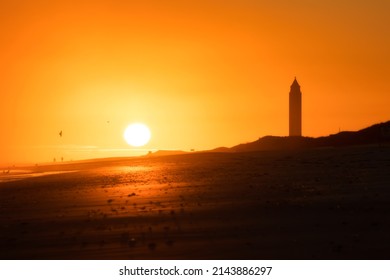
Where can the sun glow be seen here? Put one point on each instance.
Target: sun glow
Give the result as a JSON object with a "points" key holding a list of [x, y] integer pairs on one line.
{"points": [[137, 135]]}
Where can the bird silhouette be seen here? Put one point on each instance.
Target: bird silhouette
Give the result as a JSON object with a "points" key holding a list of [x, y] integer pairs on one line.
{"points": [[60, 133]]}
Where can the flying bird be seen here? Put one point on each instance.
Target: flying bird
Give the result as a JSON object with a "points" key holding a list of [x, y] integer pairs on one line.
{"points": [[60, 133]]}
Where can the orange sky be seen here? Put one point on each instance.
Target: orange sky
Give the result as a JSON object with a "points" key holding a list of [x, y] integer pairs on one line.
{"points": [[201, 74]]}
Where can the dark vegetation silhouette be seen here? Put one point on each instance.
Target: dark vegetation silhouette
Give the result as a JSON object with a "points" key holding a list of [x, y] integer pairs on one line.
{"points": [[376, 134]]}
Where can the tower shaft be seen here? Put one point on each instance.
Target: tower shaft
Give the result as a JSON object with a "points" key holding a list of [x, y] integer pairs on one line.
{"points": [[295, 110]]}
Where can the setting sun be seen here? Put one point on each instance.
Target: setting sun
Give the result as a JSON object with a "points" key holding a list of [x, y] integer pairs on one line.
{"points": [[137, 134]]}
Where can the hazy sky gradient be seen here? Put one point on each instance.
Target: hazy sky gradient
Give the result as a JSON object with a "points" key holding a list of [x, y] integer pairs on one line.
{"points": [[200, 74]]}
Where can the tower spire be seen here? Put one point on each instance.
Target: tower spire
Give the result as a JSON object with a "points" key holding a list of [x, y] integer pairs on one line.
{"points": [[295, 82]]}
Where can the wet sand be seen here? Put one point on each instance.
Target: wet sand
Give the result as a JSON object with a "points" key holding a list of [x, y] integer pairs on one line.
{"points": [[315, 204]]}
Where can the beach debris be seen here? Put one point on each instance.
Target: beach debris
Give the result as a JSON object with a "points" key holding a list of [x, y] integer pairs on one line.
{"points": [[152, 246], [132, 242], [125, 236]]}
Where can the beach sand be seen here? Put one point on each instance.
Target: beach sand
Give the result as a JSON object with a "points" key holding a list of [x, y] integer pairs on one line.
{"points": [[331, 203]]}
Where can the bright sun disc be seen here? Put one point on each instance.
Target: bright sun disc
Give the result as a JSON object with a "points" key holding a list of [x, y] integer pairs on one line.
{"points": [[137, 134]]}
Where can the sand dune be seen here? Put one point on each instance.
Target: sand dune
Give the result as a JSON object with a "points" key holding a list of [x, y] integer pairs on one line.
{"points": [[313, 204]]}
